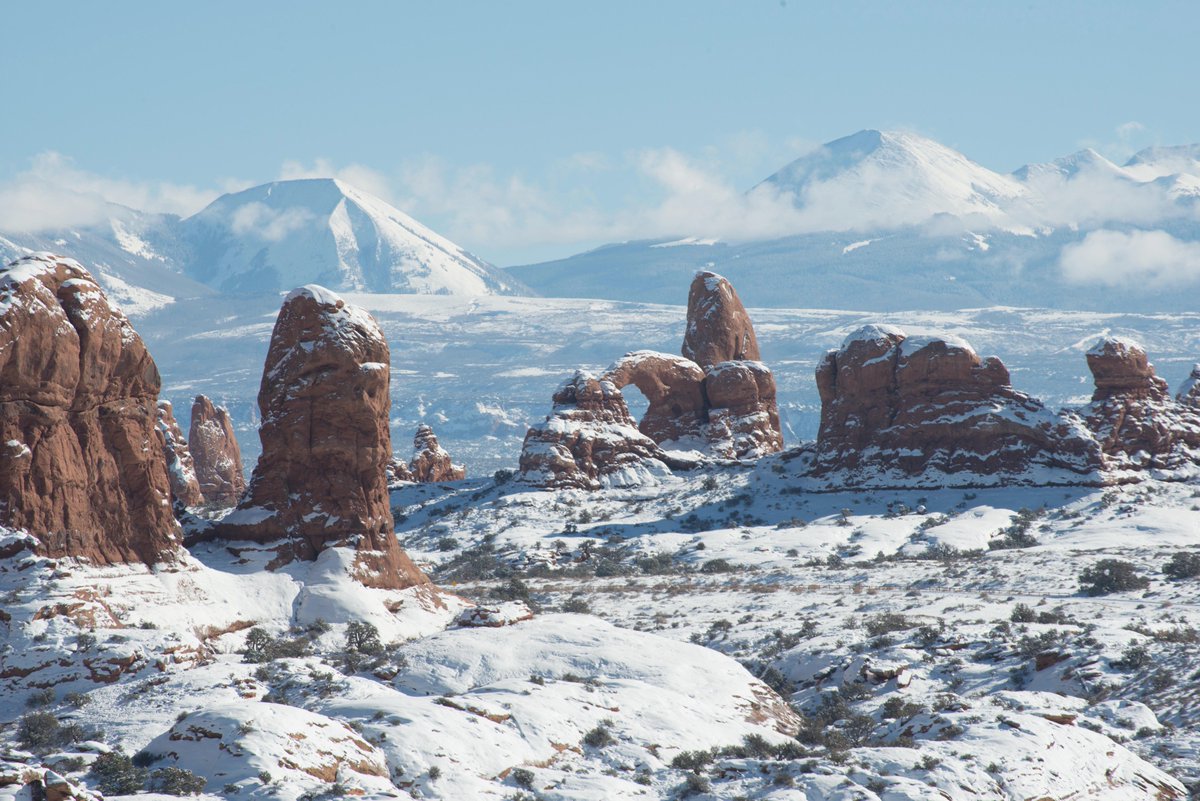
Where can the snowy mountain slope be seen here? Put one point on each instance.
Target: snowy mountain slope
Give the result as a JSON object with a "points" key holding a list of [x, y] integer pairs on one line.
{"points": [[897, 221], [885, 179], [137, 257], [288, 233]]}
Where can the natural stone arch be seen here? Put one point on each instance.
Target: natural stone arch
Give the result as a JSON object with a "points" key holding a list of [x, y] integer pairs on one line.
{"points": [[674, 388]]}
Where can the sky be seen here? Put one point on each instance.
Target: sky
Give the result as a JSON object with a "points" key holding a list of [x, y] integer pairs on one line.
{"points": [[531, 130]]}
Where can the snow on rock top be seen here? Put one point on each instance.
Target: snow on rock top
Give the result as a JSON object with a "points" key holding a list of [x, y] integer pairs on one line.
{"points": [[1115, 345], [289, 233], [318, 293], [874, 333]]}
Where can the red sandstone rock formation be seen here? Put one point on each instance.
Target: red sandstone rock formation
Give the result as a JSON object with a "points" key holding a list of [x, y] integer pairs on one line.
{"points": [[743, 419], [739, 390], [320, 481], [718, 327], [181, 470], [677, 411], [589, 441], [81, 461], [1189, 393], [1139, 425], [216, 454], [898, 410], [431, 463]]}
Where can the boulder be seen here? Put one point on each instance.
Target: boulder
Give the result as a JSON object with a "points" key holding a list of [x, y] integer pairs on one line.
{"points": [[674, 387], [921, 411], [216, 454], [81, 457], [1132, 414], [718, 327], [590, 441], [181, 469], [321, 479], [431, 463]]}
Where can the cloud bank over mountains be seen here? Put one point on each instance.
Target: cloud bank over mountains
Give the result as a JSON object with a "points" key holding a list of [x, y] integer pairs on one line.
{"points": [[869, 182]]}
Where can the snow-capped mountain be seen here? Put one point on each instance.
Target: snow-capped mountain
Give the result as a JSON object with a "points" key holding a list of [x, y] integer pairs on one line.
{"points": [[890, 178], [268, 238], [1067, 167], [894, 221], [288, 233], [136, 256]]}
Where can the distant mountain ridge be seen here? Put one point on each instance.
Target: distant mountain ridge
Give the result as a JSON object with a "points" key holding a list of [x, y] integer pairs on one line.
{"points": [[268, 238], [895, 221]]}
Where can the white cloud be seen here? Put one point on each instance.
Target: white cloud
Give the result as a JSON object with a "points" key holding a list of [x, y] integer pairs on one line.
{"points": [[1135, 258], [267, 223], [54, 193]]}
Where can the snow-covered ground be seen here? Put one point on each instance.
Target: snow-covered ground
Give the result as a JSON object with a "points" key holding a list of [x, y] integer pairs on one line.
{"points": [[920, 645]]}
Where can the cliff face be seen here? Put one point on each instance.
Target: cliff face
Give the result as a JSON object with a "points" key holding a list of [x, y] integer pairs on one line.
{"points": [[81, 459], [216, 454]]}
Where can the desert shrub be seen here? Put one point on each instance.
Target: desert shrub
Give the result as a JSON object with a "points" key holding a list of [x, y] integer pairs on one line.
{"points": [[447, 544], [40, 699], [1023, 613], [503, 476], [523, 777], [363, 638], [694, 784], [898, 708], [115, 774], [1183, 565], [886, 623], [709, 483], [599, 737], [694, 761], [435, 773], [1134, 657], [262, 647], [77, 699], [717, 566], [41, 731], [176, 781], [1111, 575], [513, 590], [577, 605]]}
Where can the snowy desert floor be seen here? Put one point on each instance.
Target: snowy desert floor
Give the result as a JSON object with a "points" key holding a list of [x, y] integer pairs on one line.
{"points": [[720, 635]]}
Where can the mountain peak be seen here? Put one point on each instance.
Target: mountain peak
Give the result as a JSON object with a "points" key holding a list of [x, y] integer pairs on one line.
{"points": [[287, 233], [889, 178]]}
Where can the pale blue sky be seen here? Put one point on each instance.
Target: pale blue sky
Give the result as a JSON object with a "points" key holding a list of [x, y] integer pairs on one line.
{"points": [[487, 119]]}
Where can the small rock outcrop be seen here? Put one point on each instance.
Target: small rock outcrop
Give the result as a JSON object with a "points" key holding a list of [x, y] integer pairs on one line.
{"points": [[919, 411], [718, 327], [216, 454], [81, 458], [321, 479], [1132, 414], [431, 463], [1189, 393], [181, 470], [590, 441]]}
